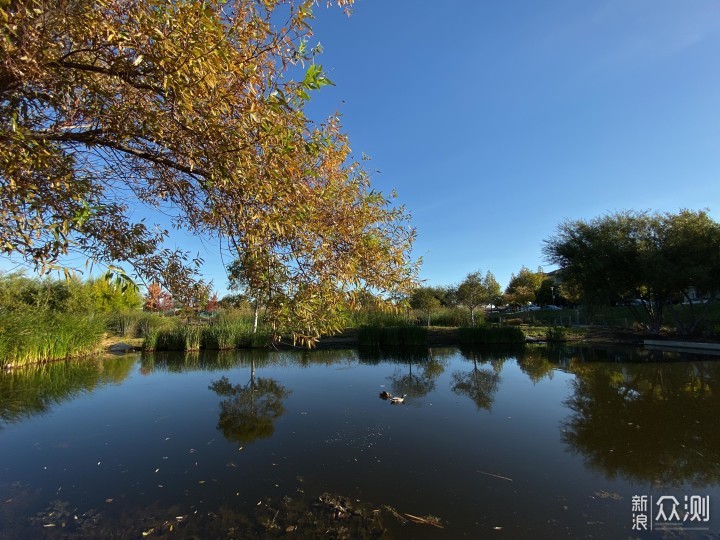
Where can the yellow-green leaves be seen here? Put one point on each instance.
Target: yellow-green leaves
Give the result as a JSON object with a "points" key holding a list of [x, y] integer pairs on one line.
{"points": [[181, 106]]}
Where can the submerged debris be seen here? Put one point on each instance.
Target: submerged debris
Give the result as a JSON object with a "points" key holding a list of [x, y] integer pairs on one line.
{"points": [[325, 516]]}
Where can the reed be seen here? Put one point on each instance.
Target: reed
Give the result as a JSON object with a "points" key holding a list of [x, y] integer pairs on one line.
{"points": [[227, 332], [28, 337], [487, 334], [382, 337]]}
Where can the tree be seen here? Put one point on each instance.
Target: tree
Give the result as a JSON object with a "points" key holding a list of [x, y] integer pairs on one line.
{"points": [[524, 287], [213, 304], [477, 290], [190, 109], [157, 299], [660, 259], [425, 300]]}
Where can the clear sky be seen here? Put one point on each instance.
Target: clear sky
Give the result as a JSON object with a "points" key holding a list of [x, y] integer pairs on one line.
{"points": [[495, 121]]}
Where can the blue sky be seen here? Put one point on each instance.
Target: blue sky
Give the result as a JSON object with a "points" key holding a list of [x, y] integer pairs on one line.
{"points": [[495, 121]]}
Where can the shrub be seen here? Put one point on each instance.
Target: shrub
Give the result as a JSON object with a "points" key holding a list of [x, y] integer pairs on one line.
{"points": [[381, 337], [487, 334], [556, 333]]}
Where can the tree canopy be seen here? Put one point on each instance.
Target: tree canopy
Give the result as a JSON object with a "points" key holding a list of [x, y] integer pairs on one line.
{"points": [[191, 110], [524, 287], [477, 290], [657, 258]]}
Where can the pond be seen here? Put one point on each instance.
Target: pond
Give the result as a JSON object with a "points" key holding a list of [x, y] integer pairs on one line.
{"points": [[526, 443]]}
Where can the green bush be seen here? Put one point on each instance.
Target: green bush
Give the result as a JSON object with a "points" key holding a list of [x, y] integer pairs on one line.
{"points": [[556, 333], [392, 336], [487, 334]]}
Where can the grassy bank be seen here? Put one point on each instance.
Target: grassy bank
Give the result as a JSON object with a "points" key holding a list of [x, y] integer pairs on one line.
{"points": [[227, 331], [28, 337]]}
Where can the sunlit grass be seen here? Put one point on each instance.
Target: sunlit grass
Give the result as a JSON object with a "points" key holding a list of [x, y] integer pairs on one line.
{"points": [[231, 330], [28, 337]]}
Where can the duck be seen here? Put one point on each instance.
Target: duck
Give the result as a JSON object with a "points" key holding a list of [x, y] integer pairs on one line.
{"points": [[397, 400], [385, 395]]}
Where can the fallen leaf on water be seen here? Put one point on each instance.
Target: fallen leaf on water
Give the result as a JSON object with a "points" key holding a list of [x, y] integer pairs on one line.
{"points": [[49, 525], [157, 470], [148, 532], [108, 500], [201, 481]]}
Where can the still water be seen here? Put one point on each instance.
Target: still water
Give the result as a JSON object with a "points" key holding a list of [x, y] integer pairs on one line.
{"points": [[524, 443]]}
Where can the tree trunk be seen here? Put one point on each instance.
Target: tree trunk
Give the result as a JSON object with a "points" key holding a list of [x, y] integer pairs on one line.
{"points": [[472, 317], [255, 318]]}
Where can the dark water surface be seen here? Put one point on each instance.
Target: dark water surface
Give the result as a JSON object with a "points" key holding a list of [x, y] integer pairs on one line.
{"points": [[528, 443]]}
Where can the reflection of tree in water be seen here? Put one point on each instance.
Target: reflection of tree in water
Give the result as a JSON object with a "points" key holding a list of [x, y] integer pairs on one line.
{"points": [[648, 423], [421, 381], [533, 362], [249, 411], [37, 389], [480, 384]]}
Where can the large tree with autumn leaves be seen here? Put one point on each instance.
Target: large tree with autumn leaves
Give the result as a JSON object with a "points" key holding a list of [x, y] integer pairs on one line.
{"points": [[193, 109]]}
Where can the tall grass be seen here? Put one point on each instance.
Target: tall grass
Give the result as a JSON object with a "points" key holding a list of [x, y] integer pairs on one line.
{"points": [[229, 331], [454, 317], [555, 334], [28, 337], [376, 318], [392, 336], [487, 334]]}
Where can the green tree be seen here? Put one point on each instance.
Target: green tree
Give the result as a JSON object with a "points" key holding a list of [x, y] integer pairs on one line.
{"points": [[191, 109], [524, 287], [426, 301], [477, 290], [660, 258]]}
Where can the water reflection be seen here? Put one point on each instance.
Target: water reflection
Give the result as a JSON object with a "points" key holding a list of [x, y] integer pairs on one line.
{"points": [[250, 410], [174, 362], [535, 362], [422, 381], [481, 383], [647, 422], [37, 389]]}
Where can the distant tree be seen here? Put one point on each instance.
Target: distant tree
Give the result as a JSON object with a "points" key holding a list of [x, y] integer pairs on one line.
{"points": [[524, 287], [659, 258], [213, 304], [260, 281], [477, 290], [157, 299], [425, 300]]}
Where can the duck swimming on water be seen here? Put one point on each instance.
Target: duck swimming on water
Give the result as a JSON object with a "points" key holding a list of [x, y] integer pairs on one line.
{"points": [[385, 394], [397, 400]]}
